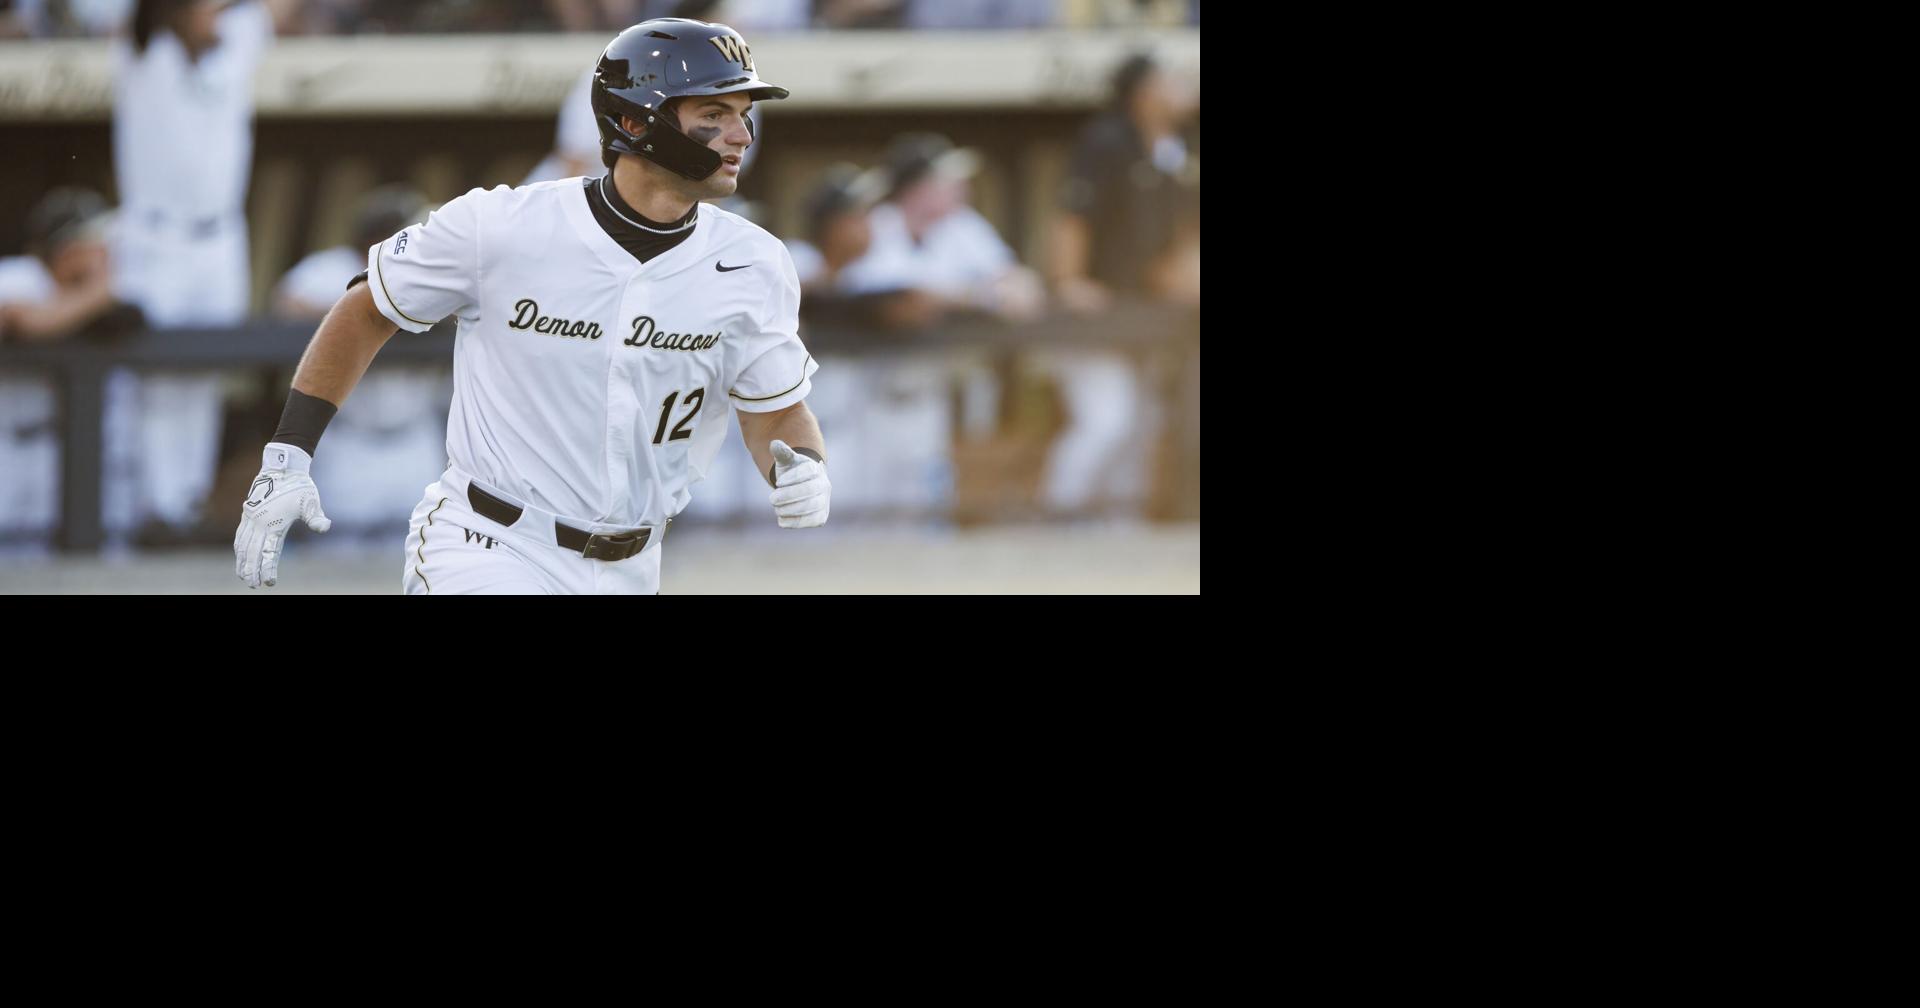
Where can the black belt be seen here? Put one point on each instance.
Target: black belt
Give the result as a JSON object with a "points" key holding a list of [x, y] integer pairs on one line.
{"points": [[617, 546]]}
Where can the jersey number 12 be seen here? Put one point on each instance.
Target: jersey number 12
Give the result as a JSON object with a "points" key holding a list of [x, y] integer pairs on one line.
{"points": [[680, 431]]}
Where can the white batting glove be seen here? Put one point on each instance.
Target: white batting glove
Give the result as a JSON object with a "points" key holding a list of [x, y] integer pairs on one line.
{"points": [[800, 488], [282, 492]]}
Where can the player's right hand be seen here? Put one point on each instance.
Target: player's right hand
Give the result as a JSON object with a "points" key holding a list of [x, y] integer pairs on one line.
{"points": [[281, 493], [801, 491]]}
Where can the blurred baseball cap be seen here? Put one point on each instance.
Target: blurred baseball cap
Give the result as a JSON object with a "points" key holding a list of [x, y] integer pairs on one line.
{"points": [[65, 214], [915, 156], [843, 188]]}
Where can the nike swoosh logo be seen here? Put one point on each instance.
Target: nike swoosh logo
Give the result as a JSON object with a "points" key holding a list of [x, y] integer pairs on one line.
{"points": [[729, 269]]}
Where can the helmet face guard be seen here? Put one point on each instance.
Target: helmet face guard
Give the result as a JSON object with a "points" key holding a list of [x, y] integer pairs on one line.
{"points": [[666, 58]]}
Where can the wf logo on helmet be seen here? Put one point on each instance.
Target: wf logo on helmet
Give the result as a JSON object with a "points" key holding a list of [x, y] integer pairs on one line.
{"points": [[734, 48]]}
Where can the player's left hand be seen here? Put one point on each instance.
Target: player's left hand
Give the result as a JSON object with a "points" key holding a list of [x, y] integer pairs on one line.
{"points": [[800, 488]]}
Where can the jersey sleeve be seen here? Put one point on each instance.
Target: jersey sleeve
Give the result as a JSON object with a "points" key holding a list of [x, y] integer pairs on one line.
{"points": [[429, 271], [777, 371]]}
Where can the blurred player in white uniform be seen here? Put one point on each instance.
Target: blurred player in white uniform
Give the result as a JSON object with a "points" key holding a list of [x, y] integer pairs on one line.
{"points": [[63, 287], [941, 259], [576, 140], [182, 155], [837, 235], [606, 327]]}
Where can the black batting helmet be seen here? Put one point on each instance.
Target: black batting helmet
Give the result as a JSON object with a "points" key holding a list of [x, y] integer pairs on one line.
{"points": [[665, 58]]}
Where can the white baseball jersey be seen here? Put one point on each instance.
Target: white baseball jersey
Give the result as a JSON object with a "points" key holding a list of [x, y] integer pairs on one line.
{"points": [[587, 383], [958, 254]]}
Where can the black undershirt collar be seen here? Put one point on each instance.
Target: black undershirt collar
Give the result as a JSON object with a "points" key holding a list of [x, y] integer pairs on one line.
{"points": [[642, 238]]}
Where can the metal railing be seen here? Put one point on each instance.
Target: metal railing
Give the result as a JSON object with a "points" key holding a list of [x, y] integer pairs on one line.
{"points": [[79, 371]]}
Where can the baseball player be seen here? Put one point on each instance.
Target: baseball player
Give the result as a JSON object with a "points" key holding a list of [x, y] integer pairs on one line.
{"points": [[63, 288], [606, 325], [182, 152]]}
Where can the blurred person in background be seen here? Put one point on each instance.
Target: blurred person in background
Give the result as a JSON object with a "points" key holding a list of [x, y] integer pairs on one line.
{"points": [[1128, 204], [928, 238], [932, 258], [66, 282], [576, 140], [1129, 228], [62, 289], [311, 287], [182, 155], [394, 427], [837, 235]]}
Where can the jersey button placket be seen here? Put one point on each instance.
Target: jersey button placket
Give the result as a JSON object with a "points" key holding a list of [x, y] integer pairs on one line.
{"points": [[623, 401]]}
